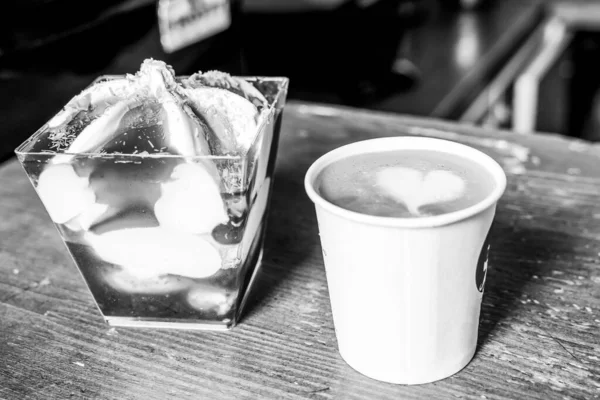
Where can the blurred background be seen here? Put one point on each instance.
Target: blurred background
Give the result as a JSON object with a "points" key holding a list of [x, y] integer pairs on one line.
{"points": [[524, 65]]}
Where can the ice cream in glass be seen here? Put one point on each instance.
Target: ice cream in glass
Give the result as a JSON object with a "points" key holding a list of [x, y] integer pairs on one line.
{"points": [[159, 186]]}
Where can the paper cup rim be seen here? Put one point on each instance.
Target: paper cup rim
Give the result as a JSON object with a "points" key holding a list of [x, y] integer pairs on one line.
{"points": [[407, 143]]}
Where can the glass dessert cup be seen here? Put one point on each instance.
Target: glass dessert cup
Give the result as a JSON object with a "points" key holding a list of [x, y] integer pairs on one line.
{"points": [[141, 271]]}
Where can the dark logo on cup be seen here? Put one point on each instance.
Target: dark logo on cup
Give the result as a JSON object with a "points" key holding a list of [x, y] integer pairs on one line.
{"points": [[482, 264]]}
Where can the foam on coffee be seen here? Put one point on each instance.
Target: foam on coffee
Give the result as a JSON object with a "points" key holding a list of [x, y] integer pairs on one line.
{"points": [[404, 183]]}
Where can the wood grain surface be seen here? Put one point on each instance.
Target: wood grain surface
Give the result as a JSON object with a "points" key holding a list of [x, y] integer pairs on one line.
{"points": [[540, 321]]}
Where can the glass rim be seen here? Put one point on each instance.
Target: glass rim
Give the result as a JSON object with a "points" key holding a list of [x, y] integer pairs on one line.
{"points": [[382, 144]]}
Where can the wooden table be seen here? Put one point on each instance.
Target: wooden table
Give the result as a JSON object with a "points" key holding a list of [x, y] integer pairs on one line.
{"points": [[540, 321]]}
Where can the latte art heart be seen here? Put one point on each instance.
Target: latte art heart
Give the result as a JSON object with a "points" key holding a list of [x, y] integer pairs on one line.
{"points": [[405, 183], [416, 189]]}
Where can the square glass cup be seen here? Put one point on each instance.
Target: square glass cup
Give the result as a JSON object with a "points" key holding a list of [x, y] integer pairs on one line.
{"points": [[154, 277]]}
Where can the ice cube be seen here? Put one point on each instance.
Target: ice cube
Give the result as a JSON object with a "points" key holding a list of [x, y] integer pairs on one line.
{"points": [[190, 201], [230, 116], [152, 252], [64, 193]]}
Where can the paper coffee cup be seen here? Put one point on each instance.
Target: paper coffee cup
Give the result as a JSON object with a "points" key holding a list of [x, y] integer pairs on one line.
{"points": [[406, 292]]}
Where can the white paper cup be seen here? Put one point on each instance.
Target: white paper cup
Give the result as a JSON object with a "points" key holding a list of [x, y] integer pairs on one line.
{"points": [[406, 292]]}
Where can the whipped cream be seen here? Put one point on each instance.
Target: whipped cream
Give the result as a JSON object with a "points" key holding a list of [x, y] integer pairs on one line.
{"points": [[64, 193], [155, 251], [206, 114], [190, 201]]}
